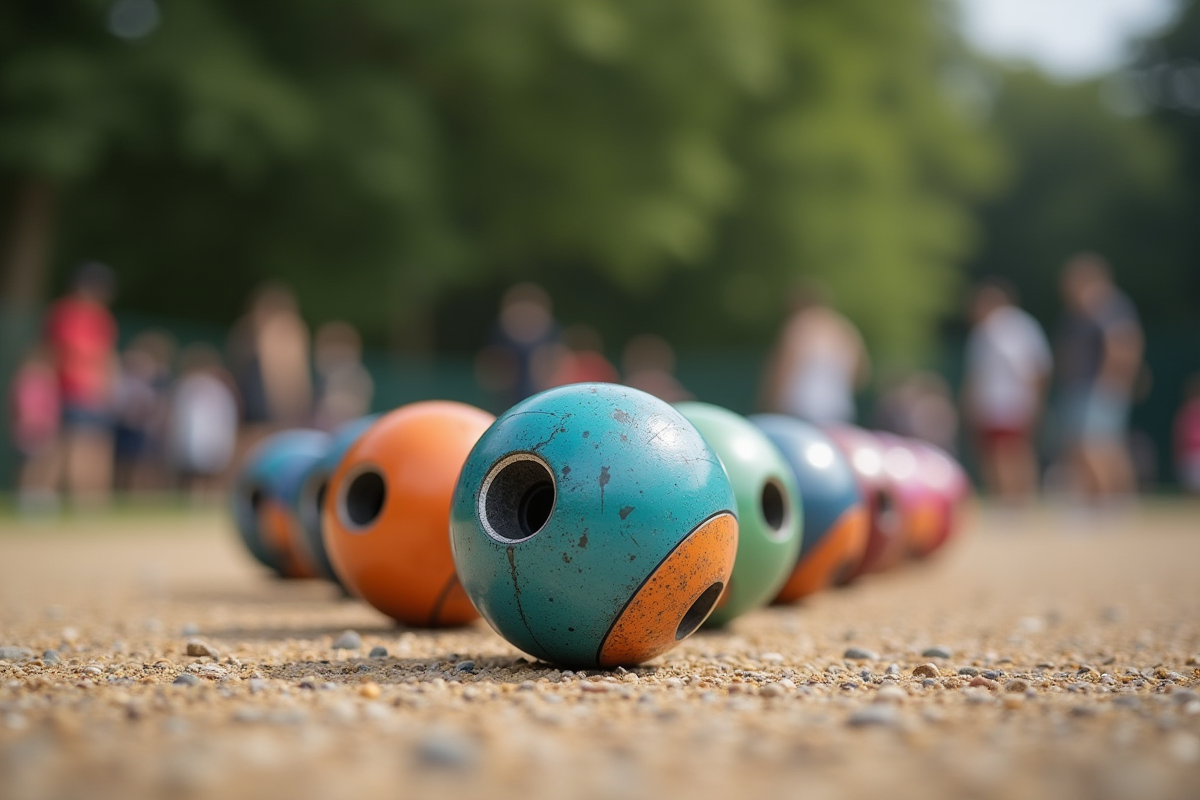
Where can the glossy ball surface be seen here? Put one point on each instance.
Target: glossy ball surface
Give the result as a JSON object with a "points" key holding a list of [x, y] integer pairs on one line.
{"points": [[769, 508], [835, 513], [593, 525], [314, 483], [263, 494], [886, 544], [386, 519]]}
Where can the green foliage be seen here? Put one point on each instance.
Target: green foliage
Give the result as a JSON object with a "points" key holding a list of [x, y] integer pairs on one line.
{"points": [[689, 158], [1083, 178]]}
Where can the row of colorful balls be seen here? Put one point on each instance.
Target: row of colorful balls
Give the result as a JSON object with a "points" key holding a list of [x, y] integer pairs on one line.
{"points": [[591, 524]]}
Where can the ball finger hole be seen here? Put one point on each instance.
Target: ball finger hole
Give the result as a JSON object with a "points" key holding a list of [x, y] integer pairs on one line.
{"points": [[363, 499], [517, 498], [774, 506], [699, 611]]}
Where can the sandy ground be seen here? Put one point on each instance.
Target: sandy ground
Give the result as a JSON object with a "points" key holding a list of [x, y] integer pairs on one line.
{"points": [[1081, 635]]}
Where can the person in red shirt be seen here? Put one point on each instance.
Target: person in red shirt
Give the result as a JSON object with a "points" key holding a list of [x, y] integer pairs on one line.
{"points": [[35, 416], [82, 335], [1187, 438]]}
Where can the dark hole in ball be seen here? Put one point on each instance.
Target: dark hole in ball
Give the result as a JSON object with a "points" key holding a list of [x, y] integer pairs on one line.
{"points": [[256, 498], [519, 499], [364, 498], [774, 506], [319, 498], [699, 611], [535, 508]]}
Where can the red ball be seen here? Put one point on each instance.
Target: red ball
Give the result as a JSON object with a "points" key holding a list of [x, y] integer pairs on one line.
{"points": [[885, 538]]}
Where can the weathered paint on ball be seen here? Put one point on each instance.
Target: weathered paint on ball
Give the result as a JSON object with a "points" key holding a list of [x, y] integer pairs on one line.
{"points": [[593, 525], [835, 515], [269, 477], [769, 507], [310, 498], [386, 521]]}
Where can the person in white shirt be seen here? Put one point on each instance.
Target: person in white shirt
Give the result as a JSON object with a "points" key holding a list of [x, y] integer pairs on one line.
{"points": [[818, 363], [1008, 366]]}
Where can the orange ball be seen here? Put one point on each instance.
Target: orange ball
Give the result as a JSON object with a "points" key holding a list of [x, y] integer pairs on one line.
{"points": [[387, 523]]}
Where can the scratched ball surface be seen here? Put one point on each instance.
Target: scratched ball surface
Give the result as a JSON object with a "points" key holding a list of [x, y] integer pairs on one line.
{"points": [[313, 485], [593, 526], [386, 518], [266, 484], [835, 514], [769, 508]]}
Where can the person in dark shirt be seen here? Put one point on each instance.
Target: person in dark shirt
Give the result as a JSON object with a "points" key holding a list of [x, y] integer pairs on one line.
{"points": [[1099, 359]]}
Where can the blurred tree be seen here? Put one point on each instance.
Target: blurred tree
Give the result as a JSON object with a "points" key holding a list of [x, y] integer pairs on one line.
{"points": [[1083, 178], [687, 157]]}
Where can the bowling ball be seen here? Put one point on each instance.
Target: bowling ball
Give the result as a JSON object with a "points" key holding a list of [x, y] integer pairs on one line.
{"points": [[921, 510], [266, 483], [310, 499], [885, 539], [593, 526], [946, 479], [768, 508], [835, 512], [386, 515]]}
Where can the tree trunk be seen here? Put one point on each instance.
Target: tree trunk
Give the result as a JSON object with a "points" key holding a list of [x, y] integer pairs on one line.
{"points": [[26, 257]]}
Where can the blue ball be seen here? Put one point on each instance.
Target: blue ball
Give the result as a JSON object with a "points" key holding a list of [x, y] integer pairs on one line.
{"points": [[310, 496], [593, 525], [269, 479]]}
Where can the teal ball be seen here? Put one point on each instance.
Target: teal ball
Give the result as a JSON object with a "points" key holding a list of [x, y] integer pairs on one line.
{"points": [[592, 525]]}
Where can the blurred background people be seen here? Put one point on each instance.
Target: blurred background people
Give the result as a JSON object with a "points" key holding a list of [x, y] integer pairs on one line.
{"points": [[140, 411], [344, 387], [1007, 371], [521, 356], [581, 359], [818, 363], [648, 362], [269, 355], [1187, 438], [1099, 360], [82, 335], [202, 422], [920, 405], [34, 424]]}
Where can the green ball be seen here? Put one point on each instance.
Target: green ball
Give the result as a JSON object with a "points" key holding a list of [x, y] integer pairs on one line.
{"points": [[768, 504]]}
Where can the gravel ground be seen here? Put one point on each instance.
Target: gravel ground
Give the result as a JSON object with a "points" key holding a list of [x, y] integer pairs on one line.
{"points": [[1045, 655]]}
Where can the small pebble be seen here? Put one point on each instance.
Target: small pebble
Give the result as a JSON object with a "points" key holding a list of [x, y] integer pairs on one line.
{"points": [[186, 679], [370, 690], [378, 651], [891, 694], [51, 657], [10, 653], [778, 688], [464, 666], [968, 671], [200, 649], [979, 680], [992, 674], [1016, 685], [926, 671], [893, 669], [348, 640], [929, 683], [257, 685], [860, 654], [446, 750], [935, 652], [771, 658], [189, 629], [873, 715]]}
